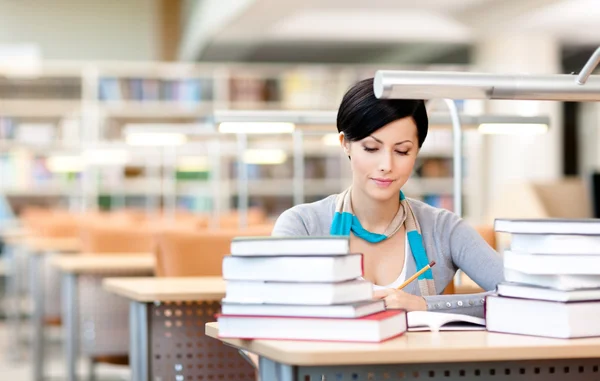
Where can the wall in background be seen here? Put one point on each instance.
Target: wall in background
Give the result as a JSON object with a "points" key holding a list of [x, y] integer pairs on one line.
{"points": [[84, 29]]}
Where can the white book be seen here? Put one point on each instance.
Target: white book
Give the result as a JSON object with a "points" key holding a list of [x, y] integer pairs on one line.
{"points": [[298, 292], [523, 291], [294, 269], [555, 281], [373, 328], [552, 264], [555, 244], [441, 321], [589, 226], [353, 310], [273, 245], [542, 318]]}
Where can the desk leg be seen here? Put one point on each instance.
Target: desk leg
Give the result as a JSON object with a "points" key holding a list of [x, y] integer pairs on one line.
{"points": [[69, 313], [138, 341], [13, 303], [37, 281], [271, 370]]}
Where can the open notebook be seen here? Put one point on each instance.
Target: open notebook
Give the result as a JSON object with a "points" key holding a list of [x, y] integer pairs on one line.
{"points": [[439, 321]]}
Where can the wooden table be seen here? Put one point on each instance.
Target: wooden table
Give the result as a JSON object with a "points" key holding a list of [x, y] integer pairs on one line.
{"points": [[167, 319], [35, 249], [14, 235], [12, 238], [97, 265], [50, 244], [468, 355]]}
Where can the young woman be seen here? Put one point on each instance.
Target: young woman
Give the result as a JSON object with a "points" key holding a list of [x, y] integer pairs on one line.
{"points": [[397, 236]]}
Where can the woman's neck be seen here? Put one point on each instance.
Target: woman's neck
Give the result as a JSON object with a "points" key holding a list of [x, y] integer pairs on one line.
{"points": [[375, 216]]}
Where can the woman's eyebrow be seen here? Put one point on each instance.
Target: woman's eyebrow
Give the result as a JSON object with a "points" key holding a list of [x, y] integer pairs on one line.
{"points": [[380, 142]]}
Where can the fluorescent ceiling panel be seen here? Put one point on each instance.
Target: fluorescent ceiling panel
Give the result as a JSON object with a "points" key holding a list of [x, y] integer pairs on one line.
{"points": [[354, 25], [575, 21]]}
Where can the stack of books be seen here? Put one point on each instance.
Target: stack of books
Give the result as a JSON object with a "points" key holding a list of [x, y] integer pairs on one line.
{"points": [[552, 279], [302, 288]]}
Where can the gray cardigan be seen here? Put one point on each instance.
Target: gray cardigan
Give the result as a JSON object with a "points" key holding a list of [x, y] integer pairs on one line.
{"points": [[448, 240]]}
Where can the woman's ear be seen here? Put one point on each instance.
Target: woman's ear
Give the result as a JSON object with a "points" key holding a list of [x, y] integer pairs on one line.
{"points": [[345, 144]]}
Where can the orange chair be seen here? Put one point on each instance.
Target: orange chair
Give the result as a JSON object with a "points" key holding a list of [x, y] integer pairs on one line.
{"points": [[106, 237], [185, 252], [118, 233]]}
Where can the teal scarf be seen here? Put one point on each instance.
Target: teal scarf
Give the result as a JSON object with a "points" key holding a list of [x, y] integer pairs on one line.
{"points": [[344, 222]]}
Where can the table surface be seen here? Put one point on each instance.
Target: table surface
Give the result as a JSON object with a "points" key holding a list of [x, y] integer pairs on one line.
{"points": [[419, 347], [41, 245], [98, 263], [167, 289]]}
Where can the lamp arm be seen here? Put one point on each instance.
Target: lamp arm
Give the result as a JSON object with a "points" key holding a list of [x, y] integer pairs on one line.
{"points": [[457, 160], [588, 68]]}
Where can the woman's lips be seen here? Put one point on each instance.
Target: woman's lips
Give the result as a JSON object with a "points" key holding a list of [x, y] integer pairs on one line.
{"points": [[382, 183]]}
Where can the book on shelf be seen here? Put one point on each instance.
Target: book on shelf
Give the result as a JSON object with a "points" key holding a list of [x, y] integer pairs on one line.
{"points": [[439, 201], [322, 293], [374, 328], [152, 89]]}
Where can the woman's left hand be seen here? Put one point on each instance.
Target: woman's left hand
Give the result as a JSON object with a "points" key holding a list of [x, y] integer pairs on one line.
{"points": [[397, 299]]}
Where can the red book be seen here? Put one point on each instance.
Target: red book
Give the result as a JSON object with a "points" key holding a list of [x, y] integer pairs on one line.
{"points": [[373, 328]]}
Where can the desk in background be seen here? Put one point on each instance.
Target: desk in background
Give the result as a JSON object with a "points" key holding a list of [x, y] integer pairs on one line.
{"points": [[81, 283], [167, 339], [43, 288], [449, 356]]}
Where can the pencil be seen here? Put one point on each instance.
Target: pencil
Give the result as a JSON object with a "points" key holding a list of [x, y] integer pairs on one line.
{"points": [[407, 282]]}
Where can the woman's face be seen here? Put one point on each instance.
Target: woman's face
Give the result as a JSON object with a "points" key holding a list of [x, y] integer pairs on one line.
{"points": [[382, 162]]}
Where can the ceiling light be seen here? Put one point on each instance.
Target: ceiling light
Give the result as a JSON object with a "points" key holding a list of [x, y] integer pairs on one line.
{"points": [[155, 139], [105, 157], [65, 164], [331, 140], [513, 128], [256, 127], [192, 164], [264, 156]]}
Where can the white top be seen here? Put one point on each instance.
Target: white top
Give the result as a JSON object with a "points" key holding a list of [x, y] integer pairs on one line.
{"points": [[402, 277]]}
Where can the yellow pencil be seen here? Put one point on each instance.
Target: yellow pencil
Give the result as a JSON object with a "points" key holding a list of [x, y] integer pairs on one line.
{"points": [[407, 282]]}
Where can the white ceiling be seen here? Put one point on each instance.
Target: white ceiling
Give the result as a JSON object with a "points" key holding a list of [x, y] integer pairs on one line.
{"points": [[304, 23]]}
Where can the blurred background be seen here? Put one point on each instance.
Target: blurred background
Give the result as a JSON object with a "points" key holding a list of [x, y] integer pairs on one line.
{"points": [[117, 106], [88, 91]]}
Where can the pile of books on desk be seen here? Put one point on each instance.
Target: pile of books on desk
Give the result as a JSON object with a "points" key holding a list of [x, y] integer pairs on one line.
{"points": [[301, 288], [552, 274]]}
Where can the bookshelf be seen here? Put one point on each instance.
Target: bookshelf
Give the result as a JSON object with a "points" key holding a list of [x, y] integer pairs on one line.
{"points": [[88, 104]]}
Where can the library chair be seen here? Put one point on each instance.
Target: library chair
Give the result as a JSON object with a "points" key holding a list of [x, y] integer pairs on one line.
{"points": [[50, 223], [231, 220], [188, 253], [116, 237], [185, 252], [103, 316]]}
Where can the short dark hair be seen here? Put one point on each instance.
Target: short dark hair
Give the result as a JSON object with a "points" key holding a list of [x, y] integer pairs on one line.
{"points": [[361, 113]]}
